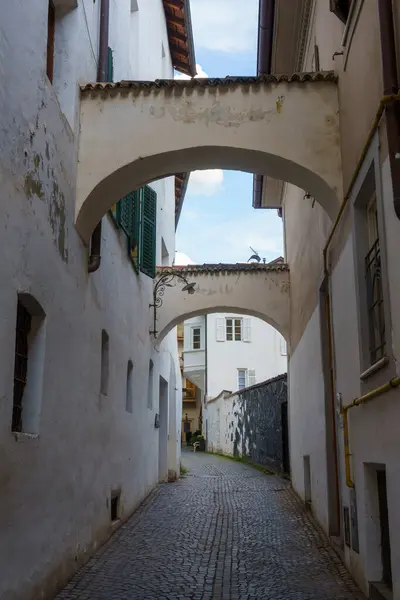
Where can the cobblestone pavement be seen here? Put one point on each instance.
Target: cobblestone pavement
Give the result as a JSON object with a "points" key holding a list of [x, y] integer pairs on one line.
{"points": [[226, 531]]}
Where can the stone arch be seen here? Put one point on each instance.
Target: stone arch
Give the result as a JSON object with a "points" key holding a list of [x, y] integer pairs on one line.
{"points": [[259, 290], [132, 134], [225, 309]]}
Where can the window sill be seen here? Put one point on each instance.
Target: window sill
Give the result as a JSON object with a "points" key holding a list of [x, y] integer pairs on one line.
{"points": [[20, 435], [380, 364]]}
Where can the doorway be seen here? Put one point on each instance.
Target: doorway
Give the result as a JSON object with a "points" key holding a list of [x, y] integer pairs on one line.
{"points": [[384, 528], [163, 431]]}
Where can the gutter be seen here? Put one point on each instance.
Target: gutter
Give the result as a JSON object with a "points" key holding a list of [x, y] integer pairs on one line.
{"points": [[190, 39], [266, 19], [95, 242]]}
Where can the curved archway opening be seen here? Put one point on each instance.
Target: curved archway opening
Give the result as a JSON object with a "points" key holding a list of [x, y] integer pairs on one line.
{"points": [[241, 310], [93, 203]]}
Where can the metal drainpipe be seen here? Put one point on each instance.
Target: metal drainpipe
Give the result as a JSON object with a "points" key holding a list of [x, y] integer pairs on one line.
{"points": [[264, 60], [391, 86], [95, 243]]}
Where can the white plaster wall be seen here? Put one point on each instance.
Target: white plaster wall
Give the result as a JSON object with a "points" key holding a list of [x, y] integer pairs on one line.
{"points": [[54, 503], [373, 427], [307, 418], [262, 353]]}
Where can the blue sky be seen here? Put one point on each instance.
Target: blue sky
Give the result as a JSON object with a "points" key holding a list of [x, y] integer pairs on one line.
{"points": [[218, 223]]}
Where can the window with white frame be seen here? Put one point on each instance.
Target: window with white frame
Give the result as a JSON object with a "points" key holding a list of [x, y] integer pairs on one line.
{"points": [[242, 378], [196, 338], [231, 329], [246, 378], [370, 264]]}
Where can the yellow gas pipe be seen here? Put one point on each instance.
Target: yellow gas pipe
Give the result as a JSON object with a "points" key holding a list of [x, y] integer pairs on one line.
{"points": [[396, 381], [393, 383]]}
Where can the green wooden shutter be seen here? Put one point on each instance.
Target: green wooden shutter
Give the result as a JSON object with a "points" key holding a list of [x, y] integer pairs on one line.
{"points": [[110, 66], [134, 235], [147, 249], [125, 213]]}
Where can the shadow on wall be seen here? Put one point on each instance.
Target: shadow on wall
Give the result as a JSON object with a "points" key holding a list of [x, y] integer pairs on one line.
{"points": [[253, 424]]}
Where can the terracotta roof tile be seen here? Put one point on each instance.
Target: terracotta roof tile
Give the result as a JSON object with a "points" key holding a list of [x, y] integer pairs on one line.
{"points": [[229, 268], [124, 86]]}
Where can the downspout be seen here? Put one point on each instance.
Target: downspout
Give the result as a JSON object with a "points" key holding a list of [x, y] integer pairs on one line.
{"points": [[391, 86], [95, 242], [264, 62]]}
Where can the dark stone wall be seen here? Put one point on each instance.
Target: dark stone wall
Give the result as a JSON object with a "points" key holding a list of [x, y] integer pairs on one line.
{"points": [[261, 432]]}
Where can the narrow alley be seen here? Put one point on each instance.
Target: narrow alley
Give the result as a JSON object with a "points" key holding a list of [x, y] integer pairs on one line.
{"points": [[224, 531]]}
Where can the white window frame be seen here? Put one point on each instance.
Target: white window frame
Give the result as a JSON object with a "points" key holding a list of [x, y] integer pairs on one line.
{"points": [[362, 192], [193, 329], [239, 371]]}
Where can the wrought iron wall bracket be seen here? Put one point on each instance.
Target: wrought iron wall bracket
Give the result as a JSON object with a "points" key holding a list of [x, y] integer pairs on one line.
{"points": [[165, 280]]}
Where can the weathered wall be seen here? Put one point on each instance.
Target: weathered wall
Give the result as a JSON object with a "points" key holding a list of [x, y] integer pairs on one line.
{"points": [[56, 485], [249, 423], [258, 290], [150, 132]]}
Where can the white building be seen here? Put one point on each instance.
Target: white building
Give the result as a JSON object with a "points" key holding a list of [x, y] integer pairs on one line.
{"points": [[226, 351], [82, 386]]}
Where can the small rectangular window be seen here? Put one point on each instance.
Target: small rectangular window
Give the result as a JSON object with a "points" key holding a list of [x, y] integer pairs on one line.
{"points": [[51, 30], [373, 274], [242, 378], [28, 365], [115, 506], [196, 338], [150, 385], [24, 321], [105, 351], [129, 387], [233, 328]]}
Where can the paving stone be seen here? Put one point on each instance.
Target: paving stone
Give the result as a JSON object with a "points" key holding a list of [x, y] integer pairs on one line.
{"points": [[226, 531]]}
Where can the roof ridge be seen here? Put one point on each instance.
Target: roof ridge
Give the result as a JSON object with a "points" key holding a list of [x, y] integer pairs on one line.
{"points": [[306, 77]]}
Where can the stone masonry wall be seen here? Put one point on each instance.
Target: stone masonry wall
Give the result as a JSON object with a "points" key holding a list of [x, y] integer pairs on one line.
{"points": [[252, 423]]}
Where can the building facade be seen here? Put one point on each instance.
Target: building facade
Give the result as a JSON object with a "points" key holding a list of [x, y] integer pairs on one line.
{"points": [[345, 328], [90, 409], [227, 351]]}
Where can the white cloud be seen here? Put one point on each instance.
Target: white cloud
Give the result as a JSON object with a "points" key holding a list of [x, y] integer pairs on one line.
{"points": [[205, 183], [200, 73], [182, 259], [225, 25]]}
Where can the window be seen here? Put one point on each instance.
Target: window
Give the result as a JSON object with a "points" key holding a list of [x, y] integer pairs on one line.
{"points": [[136, 214], [242, 378], [105, 351], [190, 391], [129, 401], [110, 66], [115, 505], [233, 330], [373, 274], [28, 365], [150, 385], [370, 266], [196, 338], [341, 8], [51, 29]]}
